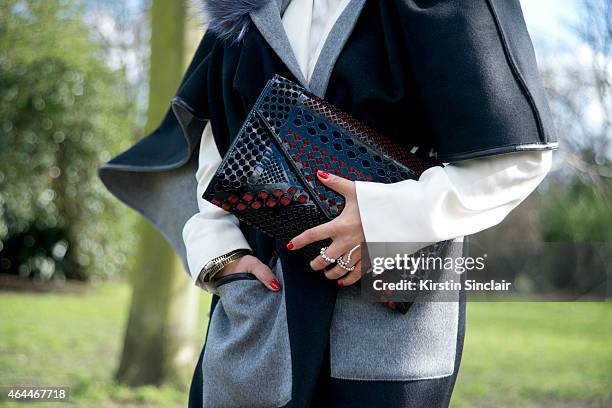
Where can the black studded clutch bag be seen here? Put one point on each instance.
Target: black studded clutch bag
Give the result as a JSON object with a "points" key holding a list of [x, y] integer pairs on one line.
{"points": [[268, 177]]}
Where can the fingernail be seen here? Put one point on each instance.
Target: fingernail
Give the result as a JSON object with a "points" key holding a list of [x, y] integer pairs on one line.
{"points": [[339, 283], [275, 284], [290, 245], [323, 174], [392, 305]]}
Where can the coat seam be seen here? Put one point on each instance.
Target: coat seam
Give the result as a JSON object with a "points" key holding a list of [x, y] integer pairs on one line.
{"points": [[516, 72], [509, 148]]}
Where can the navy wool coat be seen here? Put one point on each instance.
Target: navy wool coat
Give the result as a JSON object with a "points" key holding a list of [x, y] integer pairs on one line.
{"points": [[456, 77]]}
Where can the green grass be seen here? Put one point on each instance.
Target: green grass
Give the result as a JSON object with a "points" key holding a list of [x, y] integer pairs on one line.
{"points": [[74, 340], [537, 354], [516, 354]]}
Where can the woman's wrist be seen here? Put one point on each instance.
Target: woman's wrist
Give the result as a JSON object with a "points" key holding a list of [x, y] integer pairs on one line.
{"points": [[218, 264], [234, 267]]}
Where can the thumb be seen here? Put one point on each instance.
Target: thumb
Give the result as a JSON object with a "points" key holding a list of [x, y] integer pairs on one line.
{"points": [[339, 184], [265, 276]]}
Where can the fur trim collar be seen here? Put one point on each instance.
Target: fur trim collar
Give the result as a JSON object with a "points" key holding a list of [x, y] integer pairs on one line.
{"points": [[229, 19]]}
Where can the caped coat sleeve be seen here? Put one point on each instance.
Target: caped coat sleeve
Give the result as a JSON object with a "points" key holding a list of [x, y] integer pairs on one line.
{"points": [[156, 175], [477, 77]]}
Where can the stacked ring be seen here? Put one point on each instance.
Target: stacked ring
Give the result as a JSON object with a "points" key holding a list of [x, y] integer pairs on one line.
{"points": [[345, 264], [325, 257]]}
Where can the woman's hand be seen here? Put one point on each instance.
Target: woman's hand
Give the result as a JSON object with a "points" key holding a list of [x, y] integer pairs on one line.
{"points": [[345, 230], [251, 264]]}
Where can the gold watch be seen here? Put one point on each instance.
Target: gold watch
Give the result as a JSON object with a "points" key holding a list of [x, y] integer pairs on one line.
{"points": [[215, 265]]}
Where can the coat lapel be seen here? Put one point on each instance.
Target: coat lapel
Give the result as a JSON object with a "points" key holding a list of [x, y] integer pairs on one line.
{"points": [[333, 46], [268, 21]]}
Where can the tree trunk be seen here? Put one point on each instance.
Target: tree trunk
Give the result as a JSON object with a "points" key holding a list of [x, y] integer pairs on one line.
{"points": [[159, 345]]}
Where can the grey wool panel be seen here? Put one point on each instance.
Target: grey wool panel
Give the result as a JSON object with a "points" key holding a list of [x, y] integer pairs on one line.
{"points": [[371, 342], [247, 361]]}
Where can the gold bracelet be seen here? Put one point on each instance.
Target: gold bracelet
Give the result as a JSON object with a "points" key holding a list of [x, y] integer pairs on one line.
{"points": [[215, 265]]}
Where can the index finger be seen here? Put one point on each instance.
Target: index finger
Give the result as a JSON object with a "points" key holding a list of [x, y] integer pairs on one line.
{"points": [[318, 233]]}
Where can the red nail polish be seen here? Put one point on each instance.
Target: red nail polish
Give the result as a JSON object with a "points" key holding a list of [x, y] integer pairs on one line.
{"points": [[323, 174], [339, 283], [392, 305], [290, 245], [275, 284]]}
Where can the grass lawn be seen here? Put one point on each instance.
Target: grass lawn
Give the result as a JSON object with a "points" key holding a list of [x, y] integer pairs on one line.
{"points": [[516, 354], [537, 355]]}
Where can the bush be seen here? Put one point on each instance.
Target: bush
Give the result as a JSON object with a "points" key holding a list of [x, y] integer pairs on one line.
{"points": [[62, 110], [578, 212]]}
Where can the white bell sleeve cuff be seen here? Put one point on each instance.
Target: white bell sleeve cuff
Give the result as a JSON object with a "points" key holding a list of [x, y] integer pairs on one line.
{"points": [[212, 231], [449, 202]]}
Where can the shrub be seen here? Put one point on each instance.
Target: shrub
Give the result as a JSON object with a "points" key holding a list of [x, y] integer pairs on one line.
{"points": [[62, 110]]}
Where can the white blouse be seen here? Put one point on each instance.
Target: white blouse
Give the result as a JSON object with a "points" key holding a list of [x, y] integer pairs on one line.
{"points": [[446, 202]]}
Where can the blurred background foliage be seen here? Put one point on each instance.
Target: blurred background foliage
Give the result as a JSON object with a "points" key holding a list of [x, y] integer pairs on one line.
{"points": [[578, 201], [578, 212], [63, 111]]}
